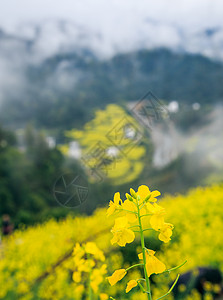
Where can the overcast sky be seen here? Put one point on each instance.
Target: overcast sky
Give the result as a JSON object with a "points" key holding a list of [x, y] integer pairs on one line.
{"points": [[118, 25], [123, 14]]}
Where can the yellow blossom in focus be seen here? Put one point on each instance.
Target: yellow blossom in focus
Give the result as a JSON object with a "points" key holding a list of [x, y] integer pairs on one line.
{"points": [[130, 285], [121, 234], [153, 264], [114, 205], [144, 191], [157, 218], [130, 206], [116, 276], [165, 232]]}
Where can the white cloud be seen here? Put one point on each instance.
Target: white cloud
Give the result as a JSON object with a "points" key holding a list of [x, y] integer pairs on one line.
{"points": [[116, 25], [109, 16]]}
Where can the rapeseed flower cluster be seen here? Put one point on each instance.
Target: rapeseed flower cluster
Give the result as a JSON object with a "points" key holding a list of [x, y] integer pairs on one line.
{"points": [[129, 214], [103, 148], [89, 268], [28, 257]]}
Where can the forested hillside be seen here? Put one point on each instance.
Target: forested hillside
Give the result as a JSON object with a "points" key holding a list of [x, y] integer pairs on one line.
{"points": [[56, 93]]}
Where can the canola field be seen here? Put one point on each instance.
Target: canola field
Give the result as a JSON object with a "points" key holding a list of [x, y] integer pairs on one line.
{"points": [[102, 257]]}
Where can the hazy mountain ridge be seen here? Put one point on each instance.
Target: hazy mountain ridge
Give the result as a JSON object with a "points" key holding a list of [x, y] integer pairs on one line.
{"points": [[54, 68], [52, 36]]}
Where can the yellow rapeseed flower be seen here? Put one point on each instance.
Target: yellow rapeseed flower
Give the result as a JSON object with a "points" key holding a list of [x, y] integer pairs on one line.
{"points": [[157, 218], [116, 276], [91, 248], [144, 191], [153, 264], [207, 286], [217, 288], [121, 233], [97, 277], [131, 207], [130, 285], [103, 296], [76, 277], [165, 232], [114, 205]]}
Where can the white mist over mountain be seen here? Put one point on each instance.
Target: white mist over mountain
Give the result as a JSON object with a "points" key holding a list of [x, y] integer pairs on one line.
{"points": [[107, 28]]}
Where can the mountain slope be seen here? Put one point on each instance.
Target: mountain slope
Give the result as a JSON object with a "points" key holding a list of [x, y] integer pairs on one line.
{"points": [[66, 84]]}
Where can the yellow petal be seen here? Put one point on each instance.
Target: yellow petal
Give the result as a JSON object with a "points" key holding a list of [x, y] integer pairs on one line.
{"points": [[116, 276], [158, 209], [165, 232], [114, 239], [154, 194], [154, 265], [113, 205], [117, 198], [121, 222], [143, 191], [130, 285], [124, 237], [150, 207], [148, 252], [130, 206], [129, 236], [157, 222], [111, 209]]}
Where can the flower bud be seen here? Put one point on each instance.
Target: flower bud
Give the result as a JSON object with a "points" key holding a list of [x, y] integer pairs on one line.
{"points": [[133, 193], [128, 197], [147, 198]]}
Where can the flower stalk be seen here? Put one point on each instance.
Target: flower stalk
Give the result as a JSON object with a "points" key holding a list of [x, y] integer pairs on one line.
{"points": [[144, 254]]}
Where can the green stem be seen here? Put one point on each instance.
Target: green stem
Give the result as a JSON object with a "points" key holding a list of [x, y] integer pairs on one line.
{"points": [[170, 290], [147, 229], [144, 254], [133, 266], [141, 287], [146, 215], [175, 268], [133, 226], [142, 206]]}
